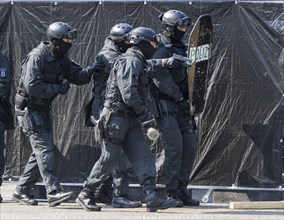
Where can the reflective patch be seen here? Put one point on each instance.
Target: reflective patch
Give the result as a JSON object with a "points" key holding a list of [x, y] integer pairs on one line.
{"points": [[3, 73]]}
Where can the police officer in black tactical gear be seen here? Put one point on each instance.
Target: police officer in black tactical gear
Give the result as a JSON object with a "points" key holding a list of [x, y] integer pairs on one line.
{"points": [[125, 111], [46, 72], [116, 44], [170, 90], [6, 117], [113, 47]]}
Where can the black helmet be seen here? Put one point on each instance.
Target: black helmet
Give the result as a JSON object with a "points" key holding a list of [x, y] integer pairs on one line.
{"points": [[175, 18], [137, 35], [61, 30], [119, 31]]}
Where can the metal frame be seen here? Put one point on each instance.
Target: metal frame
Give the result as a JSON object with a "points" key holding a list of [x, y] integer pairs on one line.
{"points": [[145, 1], [210, 189]]}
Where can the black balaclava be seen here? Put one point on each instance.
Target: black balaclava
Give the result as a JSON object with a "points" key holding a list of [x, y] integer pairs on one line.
{"points": [[122, 46], [147, 49], [58, 47], [173, 33]]}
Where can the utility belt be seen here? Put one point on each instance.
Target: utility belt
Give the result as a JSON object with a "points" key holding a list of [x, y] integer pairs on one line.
{"points": [[108, 133], [22, 101], [29, 121]]}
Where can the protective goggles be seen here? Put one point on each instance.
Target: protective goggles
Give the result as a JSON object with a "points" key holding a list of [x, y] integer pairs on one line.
{"points": [[71, 34], [186, 22]]}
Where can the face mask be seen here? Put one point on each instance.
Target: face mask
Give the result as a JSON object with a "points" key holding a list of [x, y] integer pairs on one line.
{"points": [[177, 35], [123, 46], [147, 49], [58, 47]]}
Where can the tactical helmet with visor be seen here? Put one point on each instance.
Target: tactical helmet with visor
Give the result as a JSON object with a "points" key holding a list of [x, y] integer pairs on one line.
{"points": [[145, 39], [137, 35], [175, 18], [61, 30]]}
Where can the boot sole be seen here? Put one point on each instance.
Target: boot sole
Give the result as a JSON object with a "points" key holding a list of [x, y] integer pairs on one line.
{"points": [[78, 201], [154, 209], [22, 202], [57, 202], [125, 206]]}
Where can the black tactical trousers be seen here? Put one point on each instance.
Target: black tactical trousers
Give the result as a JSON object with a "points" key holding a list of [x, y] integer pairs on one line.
{"points": [[2, 149], [189, 143], [120, 175], [41, 161], [124, 133], [180, 150]]}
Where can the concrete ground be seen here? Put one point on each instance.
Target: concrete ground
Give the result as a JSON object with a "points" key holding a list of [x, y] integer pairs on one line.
{"points": [[70, 211]]}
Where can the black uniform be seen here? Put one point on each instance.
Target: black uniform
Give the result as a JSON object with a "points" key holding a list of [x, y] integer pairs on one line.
{"points": [[107, 55], [6, 122], [175, 123], [42, 80], [123, 102]]}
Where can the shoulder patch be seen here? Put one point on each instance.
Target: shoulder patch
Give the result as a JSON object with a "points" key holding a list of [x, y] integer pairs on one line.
{"points": [[3, 73]]}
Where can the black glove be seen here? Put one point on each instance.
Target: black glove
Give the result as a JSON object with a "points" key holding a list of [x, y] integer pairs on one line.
{"points": [[64, 87], [96, 68], [172, 62]]}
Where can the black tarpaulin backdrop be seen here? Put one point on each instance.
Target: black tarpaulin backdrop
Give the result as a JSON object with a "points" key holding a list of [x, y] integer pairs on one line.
{"points": [[240, 129]]}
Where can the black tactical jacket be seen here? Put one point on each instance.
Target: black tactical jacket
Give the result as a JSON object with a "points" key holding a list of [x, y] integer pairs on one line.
{"points": [[6, 115], [5, 77], [169, 84], [42, 75], [127, 83]]}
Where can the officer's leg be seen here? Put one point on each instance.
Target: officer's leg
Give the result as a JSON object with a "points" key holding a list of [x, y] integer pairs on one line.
{"points": [[114, 136], [2, 156], [43, 150], [121, 184], [119, 173], [189, 138], [172, 143], [2, 166], [143, 163], [103, 193], [100, 171], [27, 180]]}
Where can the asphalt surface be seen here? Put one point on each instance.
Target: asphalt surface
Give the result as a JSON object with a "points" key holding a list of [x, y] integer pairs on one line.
{"points": [[207, 211]]}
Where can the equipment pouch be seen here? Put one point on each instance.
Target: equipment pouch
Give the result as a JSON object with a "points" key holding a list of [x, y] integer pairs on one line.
{"points": [[28, 123], [99, 129], [20, 101]]}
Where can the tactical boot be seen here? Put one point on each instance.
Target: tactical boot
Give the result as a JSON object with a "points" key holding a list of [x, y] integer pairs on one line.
{"points": [[154, 202], [187, 200], [24, 198], [173, 194], [57, 196], [124, 202], [104, 195], [86, 199]]}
